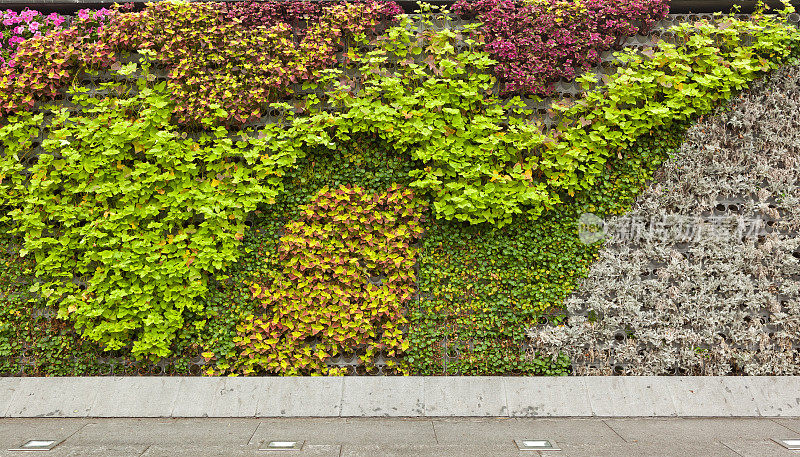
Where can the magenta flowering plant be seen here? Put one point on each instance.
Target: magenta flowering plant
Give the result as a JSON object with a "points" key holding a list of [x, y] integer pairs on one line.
{"points": [[18, 27], [538, 42], [40, 66], [91, 21], [15, 28]]}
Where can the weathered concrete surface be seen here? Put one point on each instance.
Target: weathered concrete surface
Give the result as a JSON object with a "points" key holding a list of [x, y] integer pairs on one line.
{"points": [[378, 437], [401, 397]]}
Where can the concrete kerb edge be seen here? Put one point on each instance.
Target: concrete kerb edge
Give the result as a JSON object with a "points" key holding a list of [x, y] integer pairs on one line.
{"points": [[480, 396]]}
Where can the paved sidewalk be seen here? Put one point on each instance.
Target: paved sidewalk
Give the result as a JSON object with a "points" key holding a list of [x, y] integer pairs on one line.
{"points": [[378, 437]]}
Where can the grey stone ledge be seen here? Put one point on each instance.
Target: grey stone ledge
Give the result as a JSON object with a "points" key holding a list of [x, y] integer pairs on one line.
{"points": [[413, 396]]}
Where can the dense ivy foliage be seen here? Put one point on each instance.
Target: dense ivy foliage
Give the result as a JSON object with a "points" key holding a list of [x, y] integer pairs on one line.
{"points": [[481, 286], [487, 161], [667, 85], [27, 335]]}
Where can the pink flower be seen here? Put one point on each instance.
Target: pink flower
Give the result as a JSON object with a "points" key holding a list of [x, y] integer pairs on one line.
{"points": [[33, 26], [83, 14], [27, 15]]}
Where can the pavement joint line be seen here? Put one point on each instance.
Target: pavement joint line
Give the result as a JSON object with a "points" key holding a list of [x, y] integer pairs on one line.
{"points": [[341, 399], [505, 397], [672, 399], [773, 419], [424, 399], [72, 434], [250, 441], [91, 408], [175, 399], [255, 429], [8, 404], [730, 448], [615, 432]]}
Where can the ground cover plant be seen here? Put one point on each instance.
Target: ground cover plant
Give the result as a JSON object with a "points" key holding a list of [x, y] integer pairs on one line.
{"points": [[332, 188], [701, 277]]}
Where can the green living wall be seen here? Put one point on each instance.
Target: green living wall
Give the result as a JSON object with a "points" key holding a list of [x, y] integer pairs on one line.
{"points": [[331, 188]]}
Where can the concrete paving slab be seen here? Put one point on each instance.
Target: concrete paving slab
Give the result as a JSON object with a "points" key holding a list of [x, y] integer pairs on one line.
{"points": [[374, 437], [621, 450], [713, 449], [53, 397], [217, 397], [134, 396], [665, 431], [300, 397], [222, 451], [166, 432], [355, 431], [628, 396], [83, 451], [757, 448], [383, 396], [410, 450], [500, 431], [547, 397], [8, 388], [465, 396], [14, 432]]}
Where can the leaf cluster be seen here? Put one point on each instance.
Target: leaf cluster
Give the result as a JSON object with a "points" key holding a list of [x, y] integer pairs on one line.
{"points": [[345, 272], [124, 215], [538, 43]]}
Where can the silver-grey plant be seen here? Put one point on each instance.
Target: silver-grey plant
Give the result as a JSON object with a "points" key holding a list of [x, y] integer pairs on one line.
{"points": [[702, 277]]}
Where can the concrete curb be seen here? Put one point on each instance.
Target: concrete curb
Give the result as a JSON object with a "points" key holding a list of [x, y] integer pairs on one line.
{"points": [[413, 396]]}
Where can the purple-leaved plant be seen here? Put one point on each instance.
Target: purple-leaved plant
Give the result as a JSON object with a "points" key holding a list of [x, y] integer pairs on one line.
{"points": [[536, 43]]}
